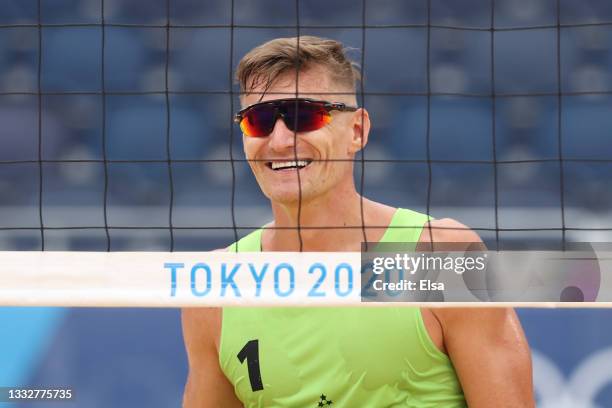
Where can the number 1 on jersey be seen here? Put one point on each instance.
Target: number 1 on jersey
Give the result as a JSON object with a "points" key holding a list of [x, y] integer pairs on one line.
{"points": [[250, 352]]}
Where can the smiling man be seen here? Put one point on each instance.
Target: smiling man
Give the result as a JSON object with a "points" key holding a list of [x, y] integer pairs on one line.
{"points": [[301, 131]]}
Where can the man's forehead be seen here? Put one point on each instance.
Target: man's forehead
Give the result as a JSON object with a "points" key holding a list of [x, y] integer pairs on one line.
{"points": [[313, 83]]}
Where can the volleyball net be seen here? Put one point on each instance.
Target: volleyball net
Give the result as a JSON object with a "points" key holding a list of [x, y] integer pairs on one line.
{"points": [[118, 134]]}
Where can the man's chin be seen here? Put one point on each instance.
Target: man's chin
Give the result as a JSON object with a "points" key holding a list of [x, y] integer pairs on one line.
{"points": [[292, 197]]}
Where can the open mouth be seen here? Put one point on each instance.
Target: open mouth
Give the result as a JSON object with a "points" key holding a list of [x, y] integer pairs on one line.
{"points": [[288, 165]]}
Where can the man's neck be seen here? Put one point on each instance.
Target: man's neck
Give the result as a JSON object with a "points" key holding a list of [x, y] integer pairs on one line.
{"points": [[331, 222]]}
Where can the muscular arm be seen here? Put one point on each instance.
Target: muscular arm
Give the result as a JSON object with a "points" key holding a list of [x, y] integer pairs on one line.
{"points": [[490, 354], [486, 345], [207, 386]]}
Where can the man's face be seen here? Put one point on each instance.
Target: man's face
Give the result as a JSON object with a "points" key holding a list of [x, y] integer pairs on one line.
{"points": [[335, 141]]}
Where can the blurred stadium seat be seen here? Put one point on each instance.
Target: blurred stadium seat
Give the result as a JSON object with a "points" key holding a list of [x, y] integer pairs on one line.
{"points": [[71, 59], [460, 63]]}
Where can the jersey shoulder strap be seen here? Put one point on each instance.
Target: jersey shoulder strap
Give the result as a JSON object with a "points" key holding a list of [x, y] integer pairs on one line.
{"points": [[249, 243], [405, 226]]}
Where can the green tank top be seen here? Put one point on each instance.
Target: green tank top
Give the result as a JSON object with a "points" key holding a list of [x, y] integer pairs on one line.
{"points": [[336, 357]]}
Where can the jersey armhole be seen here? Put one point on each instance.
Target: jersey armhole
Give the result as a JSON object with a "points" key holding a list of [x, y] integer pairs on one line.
{"points": [[426, 340]]}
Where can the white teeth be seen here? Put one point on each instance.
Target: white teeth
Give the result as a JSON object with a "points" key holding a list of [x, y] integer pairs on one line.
{"points": [[289, 164]]}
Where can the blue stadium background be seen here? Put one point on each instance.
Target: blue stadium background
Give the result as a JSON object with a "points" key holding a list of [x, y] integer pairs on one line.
{"points": [[135, 358]]}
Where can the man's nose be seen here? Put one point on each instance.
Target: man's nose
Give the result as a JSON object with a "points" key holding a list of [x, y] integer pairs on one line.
{"points": [[281, 137]]}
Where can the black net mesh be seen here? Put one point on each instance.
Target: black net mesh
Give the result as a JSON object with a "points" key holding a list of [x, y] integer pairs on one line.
{"points": [[117, 116]]}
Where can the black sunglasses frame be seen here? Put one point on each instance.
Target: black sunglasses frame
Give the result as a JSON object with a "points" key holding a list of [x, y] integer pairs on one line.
{"points": [[328, 106]]}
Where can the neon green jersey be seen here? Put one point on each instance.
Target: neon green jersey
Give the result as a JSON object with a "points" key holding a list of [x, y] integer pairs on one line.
{"points": [[336, 357]]}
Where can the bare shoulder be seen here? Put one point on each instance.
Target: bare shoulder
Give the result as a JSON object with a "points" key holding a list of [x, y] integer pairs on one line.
{"points": [[458, 236], [487, 345], [490, 354], [447, 230], [483, 319], [200, 315], [201, 326], [207, 386]]}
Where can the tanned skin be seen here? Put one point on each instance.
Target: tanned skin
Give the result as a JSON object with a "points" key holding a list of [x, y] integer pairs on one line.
{"points": [[487, 346]]}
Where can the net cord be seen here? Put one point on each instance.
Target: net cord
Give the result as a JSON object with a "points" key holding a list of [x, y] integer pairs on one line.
{"points": [[363, 106], [231, 132], [428, 127], [493, 127], [309, 227], [39, 100], [559, 134], [168, 118], [371, 93], [308, 26], [104, 147], [296, 95]]}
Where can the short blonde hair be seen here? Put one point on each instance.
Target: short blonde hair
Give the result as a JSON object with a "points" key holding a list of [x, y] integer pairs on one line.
{"points": [[265, 63]]}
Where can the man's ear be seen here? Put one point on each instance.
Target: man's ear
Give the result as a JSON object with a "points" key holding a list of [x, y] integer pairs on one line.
{"points": [[361, 130]]}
